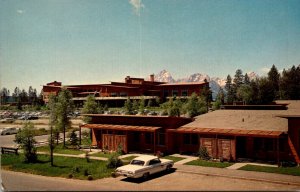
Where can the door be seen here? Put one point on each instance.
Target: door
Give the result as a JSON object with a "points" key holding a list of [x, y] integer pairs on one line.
{"points": [[224, 149], [121, 140]]}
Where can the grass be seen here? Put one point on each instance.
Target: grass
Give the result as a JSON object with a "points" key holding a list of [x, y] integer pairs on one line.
{"points": [[204, 163], [63, 166], [59, 149], [175, 159], [281, 170]]}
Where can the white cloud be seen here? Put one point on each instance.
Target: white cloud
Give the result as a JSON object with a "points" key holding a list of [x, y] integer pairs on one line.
{"points": [[20, 11], [137, 5]]}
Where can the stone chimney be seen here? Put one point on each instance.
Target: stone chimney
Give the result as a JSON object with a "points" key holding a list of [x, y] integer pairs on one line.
{"points": [[152, 77]]}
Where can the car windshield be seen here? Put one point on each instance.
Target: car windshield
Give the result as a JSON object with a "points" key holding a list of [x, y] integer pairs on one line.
{"points": [[137, 162]]}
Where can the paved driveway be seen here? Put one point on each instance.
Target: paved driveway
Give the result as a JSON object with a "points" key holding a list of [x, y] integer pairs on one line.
{"points": [[172, 181]]}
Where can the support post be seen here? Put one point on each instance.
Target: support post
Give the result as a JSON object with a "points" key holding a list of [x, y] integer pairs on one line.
{"points": [[79, 134], [154, 149], [278, 160]]}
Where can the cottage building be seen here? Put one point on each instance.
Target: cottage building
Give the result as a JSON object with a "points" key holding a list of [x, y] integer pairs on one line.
{"points": [[269, 133]]}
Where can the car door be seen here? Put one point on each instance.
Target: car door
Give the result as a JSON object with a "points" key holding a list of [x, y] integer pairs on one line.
{"points": [[155, 166]]}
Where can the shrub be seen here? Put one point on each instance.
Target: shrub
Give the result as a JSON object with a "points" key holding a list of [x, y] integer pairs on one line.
{"points": [[86, 172], [25, 137], [114, 161], [90, 177], [203, 153], [73, 138], [70, 175]]}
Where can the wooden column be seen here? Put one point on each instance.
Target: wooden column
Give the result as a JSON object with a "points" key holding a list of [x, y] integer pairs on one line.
{"points": [[278, 161], [79, 134], [127, 142], [154, 148]]}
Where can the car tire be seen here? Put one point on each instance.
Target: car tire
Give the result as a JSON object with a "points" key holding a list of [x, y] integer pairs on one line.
{"points": [[145, 176], [168, 168]]}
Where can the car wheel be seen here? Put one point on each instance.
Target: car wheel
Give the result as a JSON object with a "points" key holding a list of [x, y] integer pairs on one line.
{"points": [[145, 176], [168, 168]]}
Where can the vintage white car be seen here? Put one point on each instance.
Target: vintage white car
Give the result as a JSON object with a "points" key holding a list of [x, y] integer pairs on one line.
{"points": [[143, 166]]}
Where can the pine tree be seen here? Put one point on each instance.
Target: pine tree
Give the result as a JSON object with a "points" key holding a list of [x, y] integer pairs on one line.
{"points": [[273, 77], [128, 107], [246, 79], [64, 108], [90, 107], [229, 90]]}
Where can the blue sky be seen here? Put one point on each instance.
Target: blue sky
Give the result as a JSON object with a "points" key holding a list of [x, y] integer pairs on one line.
{"points": [[97, 41]]}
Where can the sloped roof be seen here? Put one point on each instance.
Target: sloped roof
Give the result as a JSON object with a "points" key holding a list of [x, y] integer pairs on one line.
{"points": [[265, 120], [256, 120]]}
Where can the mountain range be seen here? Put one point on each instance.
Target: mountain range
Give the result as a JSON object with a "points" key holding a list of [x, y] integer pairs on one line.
{"points": [[215, 83]]}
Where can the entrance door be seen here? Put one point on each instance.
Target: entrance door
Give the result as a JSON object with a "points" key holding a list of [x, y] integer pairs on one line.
{"points": [[224, 148], [241, 148], [111, 142]]}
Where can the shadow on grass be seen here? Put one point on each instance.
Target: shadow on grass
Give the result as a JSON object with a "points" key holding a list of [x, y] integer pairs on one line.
{"points": [[154, 176]]}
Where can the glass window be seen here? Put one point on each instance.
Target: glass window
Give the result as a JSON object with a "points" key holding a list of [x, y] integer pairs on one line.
{"points": [[161, 137], [166, 93], [186, 139], [137, 162], [269, 144], [194, 139], [174, 93], [148, 138], [184, 93], [123, 94], [154, 161], [113, 94]]}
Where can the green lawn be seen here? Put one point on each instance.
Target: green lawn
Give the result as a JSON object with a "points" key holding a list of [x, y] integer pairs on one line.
{"points": [[59, 149], [175, 159], [204, 163], [64, 166], [280, 170]]}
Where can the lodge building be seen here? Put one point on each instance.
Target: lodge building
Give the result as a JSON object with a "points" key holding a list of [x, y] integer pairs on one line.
{"points": [[270, 133], [115, 93]]}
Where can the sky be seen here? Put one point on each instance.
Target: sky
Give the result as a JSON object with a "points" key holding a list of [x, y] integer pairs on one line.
{"points": [[98, 41]]}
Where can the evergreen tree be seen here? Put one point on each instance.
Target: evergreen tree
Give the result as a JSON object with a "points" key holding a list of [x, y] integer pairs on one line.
{"points": [[90, 107], [273, 77], [128, 107], [246, 79], [64, 108], [229, 90], [142, 105], [52, 123], [244, 93], [265, 91], [237, 82], [174, 108], [135, 105], [4, 93]]}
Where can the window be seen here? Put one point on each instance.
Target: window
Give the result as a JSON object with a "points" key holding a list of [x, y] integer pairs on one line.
{"points": [[258, 144], [113, 94], [166, 93], [184, 93], [174, 93], [148, 138], [154, 161], [190, 139], [123, 94], [161, 137], [269, 144]]}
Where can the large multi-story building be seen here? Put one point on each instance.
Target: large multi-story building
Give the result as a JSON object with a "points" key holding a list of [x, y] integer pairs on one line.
{"points": [[116, 93]]}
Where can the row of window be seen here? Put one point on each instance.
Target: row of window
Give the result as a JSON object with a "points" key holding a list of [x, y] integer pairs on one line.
{"points": [[175, 93]]}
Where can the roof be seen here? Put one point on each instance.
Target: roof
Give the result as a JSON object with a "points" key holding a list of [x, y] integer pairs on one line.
{"points": [[183, 83], [121, 127], [146, 157], [245, 122], [262, 120], [235, 132]]}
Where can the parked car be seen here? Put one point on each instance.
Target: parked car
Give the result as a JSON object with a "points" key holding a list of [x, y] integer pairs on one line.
{"points": [[9, 131], [7, 120], [143, 166]]}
